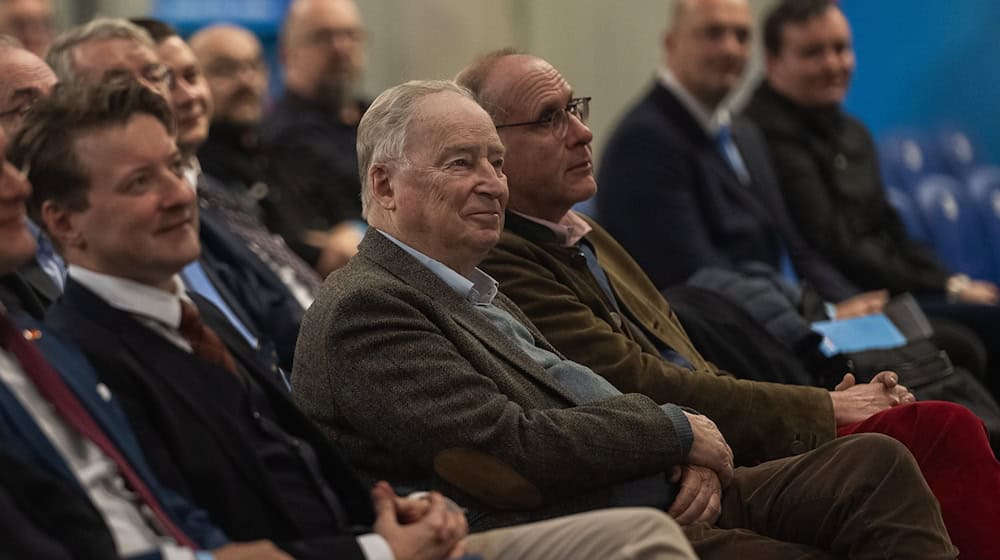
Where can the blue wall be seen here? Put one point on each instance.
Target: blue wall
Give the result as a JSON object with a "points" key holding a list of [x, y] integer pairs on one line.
{"points": [[926, 62]]}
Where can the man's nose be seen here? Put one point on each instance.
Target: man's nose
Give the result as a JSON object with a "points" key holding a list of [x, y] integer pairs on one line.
{"points": [[578, 133]]}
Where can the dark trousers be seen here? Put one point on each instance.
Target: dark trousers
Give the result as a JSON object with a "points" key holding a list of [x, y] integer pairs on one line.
{"points": [[858, 497]]}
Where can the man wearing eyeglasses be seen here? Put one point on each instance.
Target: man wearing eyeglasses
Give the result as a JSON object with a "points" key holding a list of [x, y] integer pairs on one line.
{"points": [[312, 129]]}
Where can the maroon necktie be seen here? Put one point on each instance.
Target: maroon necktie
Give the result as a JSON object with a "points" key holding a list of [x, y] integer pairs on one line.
{"points": [[204, 342], [52, 387]]}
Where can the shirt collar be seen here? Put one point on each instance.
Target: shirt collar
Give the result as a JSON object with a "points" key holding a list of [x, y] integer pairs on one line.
{"points": [[134, 298], [709, 121], [480, 289], [192, 170], [570, 229]]}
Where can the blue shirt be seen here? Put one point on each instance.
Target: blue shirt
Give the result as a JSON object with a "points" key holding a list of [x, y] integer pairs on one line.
{"points": [[48, 259]]}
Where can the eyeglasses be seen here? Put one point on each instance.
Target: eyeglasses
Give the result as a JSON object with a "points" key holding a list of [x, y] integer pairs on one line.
{"points": [[328, 35], [558, 121], [230, 68], [150, 75]]}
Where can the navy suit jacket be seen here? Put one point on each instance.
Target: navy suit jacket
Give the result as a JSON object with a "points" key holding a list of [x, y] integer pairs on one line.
{"points": [[22, 437], [668, 196], [29, 290], [255, 293], [172, 399]]}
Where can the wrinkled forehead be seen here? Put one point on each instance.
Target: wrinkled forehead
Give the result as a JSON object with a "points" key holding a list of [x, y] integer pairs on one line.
{"points": [[447, 121], [525, 87], [21, 69], [233, 45], [98, 57]]}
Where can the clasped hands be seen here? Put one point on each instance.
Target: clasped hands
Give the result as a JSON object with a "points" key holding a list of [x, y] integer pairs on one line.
{"points": [[431, 528], [853, 402], [709, 470]]}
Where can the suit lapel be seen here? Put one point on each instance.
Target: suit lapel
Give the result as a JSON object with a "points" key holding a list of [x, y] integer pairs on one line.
{"points": [[43, 286], [712, 161], [400, 264], [25, 435], [157, 364]]}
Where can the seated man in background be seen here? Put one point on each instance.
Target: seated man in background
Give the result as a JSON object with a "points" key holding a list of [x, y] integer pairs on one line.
{"points": [[595, 305], [311, 129], [212, 421], [234, 155], [415, 364], [688, 188], [68, 460], [827, 171]]}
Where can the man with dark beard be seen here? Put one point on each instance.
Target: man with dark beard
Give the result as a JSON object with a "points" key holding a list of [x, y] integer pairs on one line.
{"points": [[313, 126]]}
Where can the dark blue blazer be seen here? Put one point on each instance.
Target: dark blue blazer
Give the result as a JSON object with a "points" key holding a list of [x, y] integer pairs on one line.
{"points": [[250, 287], [668, 195], [21, 436], [172, 398]]}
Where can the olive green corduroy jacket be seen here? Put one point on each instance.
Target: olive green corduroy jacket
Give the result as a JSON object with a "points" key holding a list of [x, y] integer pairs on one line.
{"points": [[553, 286]]}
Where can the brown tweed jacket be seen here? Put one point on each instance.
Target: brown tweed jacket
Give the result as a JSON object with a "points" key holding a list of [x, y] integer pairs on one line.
{"points": [[419, 388], [553, 286]]}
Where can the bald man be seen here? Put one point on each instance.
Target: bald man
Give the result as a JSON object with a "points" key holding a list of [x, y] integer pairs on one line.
{"points": [[232, 60], [233, 65], [313, 128]]}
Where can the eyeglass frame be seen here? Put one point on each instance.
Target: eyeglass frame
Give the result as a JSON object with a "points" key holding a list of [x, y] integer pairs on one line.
{"points": [[571, 108]]}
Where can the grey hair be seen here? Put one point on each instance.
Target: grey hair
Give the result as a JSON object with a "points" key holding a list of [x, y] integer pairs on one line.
{"points": [[60, 55], [382, 131]]}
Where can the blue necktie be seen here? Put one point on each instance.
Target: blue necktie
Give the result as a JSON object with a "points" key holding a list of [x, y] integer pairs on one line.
{"points": [[667, 353], [726, 146], [730, 153], [197, 281]]}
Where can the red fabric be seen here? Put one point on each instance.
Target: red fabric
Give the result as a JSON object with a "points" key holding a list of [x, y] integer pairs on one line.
{"points": [[52, 387], [952, 448]]}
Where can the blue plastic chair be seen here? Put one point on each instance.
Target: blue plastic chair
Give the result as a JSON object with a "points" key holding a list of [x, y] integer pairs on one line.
{"points": [[956, 151], [983, 185], [909, 213], [907, 156], [954, 226]]}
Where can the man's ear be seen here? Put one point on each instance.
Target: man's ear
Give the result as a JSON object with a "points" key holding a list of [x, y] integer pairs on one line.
{"points": [[60, 224], [383, 192]]}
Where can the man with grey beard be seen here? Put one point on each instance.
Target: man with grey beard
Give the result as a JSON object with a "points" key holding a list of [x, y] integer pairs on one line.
{"points": [[313, 126]]}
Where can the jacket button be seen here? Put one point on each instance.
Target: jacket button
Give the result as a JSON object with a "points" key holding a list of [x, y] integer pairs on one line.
{"points": [[616, 319], [840, 162]]}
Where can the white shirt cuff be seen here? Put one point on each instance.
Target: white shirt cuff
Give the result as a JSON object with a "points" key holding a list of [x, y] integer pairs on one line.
{"points": [[374, 547], [174, 552]]}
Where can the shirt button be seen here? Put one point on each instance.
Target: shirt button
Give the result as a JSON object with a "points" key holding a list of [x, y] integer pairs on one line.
{"points": [[104, 392], [256, 415]]}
